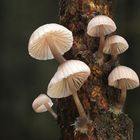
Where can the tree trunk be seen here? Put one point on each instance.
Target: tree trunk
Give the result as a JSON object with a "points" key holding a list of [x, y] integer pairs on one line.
{"points": [[95, 95]]}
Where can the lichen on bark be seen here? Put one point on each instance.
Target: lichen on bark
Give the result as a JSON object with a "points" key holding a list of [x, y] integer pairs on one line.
{"points": [[96, 96]]}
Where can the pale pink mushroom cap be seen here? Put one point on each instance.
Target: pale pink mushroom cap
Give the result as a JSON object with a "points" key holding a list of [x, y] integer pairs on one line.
{"points": [[47, 36], [38, 104], [69, 77], [116, 41], [126, 74], [94, 25]]}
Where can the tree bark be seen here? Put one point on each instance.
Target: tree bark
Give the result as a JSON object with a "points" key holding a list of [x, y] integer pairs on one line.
{"points": [[95, 95]]}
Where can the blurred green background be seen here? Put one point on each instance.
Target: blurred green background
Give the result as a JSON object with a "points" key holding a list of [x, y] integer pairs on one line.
{"points": [[23, 78]]}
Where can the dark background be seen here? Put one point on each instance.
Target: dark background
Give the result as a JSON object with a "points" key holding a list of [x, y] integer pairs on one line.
{"points": [[23, 78]]}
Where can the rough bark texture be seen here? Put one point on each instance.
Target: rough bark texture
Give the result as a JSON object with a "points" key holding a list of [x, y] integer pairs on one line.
{"points": [[96, 96]]}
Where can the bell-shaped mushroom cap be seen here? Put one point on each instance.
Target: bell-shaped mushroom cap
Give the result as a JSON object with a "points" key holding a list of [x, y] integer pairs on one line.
{"points": [[116, 41], [39, 103], [126, 74], [69, 77], [94, 26], [54, 34]]}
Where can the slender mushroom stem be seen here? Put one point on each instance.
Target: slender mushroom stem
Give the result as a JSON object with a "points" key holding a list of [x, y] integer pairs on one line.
{"points": [[102, 42], [51, 110], [79, 105], [114, 51], [122, 99], [113, 54], [76, 99], [55, 52]]}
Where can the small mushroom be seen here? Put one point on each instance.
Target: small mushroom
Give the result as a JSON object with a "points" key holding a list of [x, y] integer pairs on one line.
{"points": [[115, 45], [50, 41], [100, 26], [42, 104], [68, 79], [124, 78]]}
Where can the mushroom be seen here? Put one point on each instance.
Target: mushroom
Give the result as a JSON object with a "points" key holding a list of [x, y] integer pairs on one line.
{"points": [[68, 79], [115, 45], [100, 26], [42, 104], [124, 78], [50, 41]]}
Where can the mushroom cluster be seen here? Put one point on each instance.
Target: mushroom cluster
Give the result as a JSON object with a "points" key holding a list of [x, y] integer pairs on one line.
{"points": [[52, 41], [100, 26], [121, 77]]}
